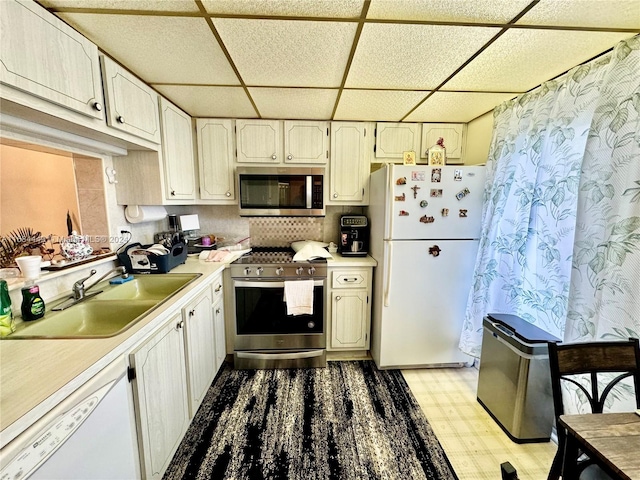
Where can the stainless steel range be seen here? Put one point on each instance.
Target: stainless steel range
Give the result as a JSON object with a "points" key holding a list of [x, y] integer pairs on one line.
{"points": [[265, 336]]}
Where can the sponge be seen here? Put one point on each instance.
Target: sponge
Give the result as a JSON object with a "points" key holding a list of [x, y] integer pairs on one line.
{"points": [[117, 280]]}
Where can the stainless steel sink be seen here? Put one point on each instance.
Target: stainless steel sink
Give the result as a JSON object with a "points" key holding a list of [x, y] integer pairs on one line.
{"points": [[109, 313]]}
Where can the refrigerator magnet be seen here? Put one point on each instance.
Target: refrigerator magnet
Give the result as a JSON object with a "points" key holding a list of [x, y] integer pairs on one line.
{"points": [[401, 181], [415, 189], [463, 212], [436, 175], [423, 203], [445, 212], [457, 175], [426, 219], [435, 250], [403, 213], [462, 193], [435, 192], [400, 198], [417, 176]]}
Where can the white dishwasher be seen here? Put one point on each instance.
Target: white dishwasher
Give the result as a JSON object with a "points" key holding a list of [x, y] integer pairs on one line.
{"points": [[90, 435]]}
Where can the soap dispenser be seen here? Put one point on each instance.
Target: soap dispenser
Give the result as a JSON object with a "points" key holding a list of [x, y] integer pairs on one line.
{"points": [[32, 303]]}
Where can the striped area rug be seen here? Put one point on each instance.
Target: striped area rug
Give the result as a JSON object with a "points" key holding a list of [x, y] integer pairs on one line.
{"points": [[346, 421]]}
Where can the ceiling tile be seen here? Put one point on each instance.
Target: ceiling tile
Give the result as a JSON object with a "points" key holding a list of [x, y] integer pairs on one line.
{"points": [[209, 101], [159, 49], [383, 105], [145, 5], [412, 56], [294, 103], [585, 13], [288, 53], [522, 59], [297, 8], [477, 11], [456, 106]]}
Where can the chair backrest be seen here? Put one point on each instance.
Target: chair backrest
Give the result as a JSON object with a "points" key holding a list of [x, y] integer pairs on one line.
{"points": [[567, 360]]}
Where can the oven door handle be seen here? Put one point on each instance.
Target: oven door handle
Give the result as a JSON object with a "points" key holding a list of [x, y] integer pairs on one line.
{"points": [[269, 284], [280, 356]]}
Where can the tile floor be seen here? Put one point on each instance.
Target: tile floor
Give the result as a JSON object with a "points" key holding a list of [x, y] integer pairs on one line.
{"points": [[474, 443]]}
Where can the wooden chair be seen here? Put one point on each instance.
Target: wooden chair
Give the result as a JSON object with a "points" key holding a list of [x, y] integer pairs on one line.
{"points": [[568, 360]]}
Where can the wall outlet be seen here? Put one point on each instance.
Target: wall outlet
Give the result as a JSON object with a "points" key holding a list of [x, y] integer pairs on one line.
{"points": [[119, 237]]}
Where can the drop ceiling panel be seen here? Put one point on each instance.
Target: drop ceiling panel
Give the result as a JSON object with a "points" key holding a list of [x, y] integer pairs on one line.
{"points": [[203, 101], [383, 105], [159, 49], [456, 106], [297, 8], [585, 13], [412, 56], [294, 103], [522, 59], [150, 5], [477, 11], [288, 53]]}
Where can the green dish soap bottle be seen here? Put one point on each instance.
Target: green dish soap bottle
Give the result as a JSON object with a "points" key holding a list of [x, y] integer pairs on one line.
{"points": [[7, 323], [32, 303]]}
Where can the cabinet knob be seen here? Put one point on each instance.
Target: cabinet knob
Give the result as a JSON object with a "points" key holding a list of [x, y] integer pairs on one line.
{"points": [[335, 195], [338, 298], [274, 157], [218, 288], [180, 324], [228, 194], [289, 157], [192, 313], [97, 106], [120, 119], [173, 193], [218, 310]]}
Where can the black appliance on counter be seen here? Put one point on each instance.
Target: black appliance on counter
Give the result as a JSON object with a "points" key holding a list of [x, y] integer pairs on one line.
{"points": [[354, 235]]}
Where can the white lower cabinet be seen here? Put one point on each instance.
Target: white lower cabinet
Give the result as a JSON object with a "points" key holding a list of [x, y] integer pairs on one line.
{"points": [[350, 308], [160, 395]]}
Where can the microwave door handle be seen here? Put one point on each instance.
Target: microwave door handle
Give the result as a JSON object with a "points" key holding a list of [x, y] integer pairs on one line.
{"points": [[309, 180]]}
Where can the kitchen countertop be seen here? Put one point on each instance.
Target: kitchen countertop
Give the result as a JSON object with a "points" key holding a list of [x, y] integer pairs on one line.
{"points": [[35, 375]]}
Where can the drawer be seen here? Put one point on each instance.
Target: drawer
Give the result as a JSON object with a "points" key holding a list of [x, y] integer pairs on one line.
{"points": [[350, 279], [217, 289]]}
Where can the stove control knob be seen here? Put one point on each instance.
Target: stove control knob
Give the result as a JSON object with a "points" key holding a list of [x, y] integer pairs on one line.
{"points": [[312, 270], [279, 271], [259, 271], [299, 270], [247, 271]]}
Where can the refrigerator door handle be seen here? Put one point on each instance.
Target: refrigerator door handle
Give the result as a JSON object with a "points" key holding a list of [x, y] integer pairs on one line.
{"points": [[391, 193], [387, 286]]}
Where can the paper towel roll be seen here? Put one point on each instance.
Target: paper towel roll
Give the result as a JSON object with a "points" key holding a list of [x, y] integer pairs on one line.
{"points": [[144, 213]]}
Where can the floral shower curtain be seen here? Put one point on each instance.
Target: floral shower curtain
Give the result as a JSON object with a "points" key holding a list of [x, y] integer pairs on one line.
{"points": [[563, 186]]}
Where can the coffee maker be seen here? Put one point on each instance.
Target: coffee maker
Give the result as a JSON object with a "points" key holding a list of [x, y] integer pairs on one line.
{"points": [[354, 235]]}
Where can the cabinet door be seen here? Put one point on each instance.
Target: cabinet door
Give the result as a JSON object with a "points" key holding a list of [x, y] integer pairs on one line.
{"points": [[200, 345], [221, 344], [349, 319], [349, 164], [160, 393], [259, 141], [306, 142], [393, 139], [452, 133], [177, 148], [132, 106], [215, 158], [45, 57]]}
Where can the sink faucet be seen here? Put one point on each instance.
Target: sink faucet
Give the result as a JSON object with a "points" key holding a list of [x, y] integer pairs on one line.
{"points": [[80, 291]]}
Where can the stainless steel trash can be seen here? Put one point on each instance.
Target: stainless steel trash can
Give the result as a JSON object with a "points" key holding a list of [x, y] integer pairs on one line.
{"points": [[514, 383]]}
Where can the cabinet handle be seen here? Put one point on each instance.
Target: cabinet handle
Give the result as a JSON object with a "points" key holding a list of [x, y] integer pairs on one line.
{"points": [[173, 193], [97, 106], [180, 325], [338, 298], [218, 310], [351, 279], [335, 195], [289, 157], [120, 119], [218, 288], [228, 194], [192, 312], [274, 156]]}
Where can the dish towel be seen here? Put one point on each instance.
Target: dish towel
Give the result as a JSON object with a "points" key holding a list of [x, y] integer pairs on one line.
{"points": [[298, 294]]}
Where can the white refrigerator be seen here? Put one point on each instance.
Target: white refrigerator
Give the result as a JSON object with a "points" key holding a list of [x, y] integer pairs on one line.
{"points": [[425, 226]]}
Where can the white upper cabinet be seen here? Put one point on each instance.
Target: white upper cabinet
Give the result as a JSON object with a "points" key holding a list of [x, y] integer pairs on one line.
{"points": [[351, 145], [453, 135], [215, 160], [177, 149], [259, 141], [45, 57], [393, 139], [131, 105], [306, 142]]}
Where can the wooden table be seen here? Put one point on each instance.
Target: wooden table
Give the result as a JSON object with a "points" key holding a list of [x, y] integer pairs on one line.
{"points": [[610, 439]]}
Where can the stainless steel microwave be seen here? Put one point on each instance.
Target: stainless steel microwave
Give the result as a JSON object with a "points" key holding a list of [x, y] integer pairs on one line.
{"points": [[281, 191]]}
